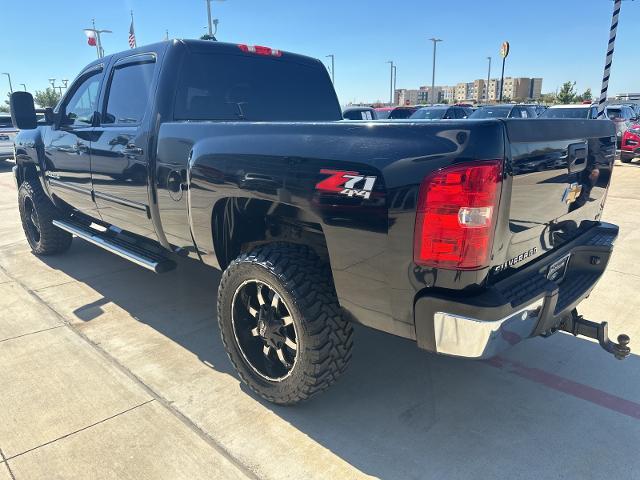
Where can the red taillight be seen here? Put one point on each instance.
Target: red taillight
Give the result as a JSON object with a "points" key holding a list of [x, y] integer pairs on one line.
{"points": [[259, 50], [455, 216]]}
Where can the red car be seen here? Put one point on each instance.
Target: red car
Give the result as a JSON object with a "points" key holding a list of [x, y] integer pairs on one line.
{"points": [[630, 144]]}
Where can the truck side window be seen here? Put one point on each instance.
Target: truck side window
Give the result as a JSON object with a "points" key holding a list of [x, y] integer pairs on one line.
{"points": [[81, 106], [128, 94]]}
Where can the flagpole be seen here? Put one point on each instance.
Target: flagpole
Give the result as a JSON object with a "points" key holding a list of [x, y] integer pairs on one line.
{"points": [[98, 46], [135, 40]]}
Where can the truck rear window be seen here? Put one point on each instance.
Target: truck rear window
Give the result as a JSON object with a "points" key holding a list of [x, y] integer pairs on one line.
{"points": [[253, 88]]}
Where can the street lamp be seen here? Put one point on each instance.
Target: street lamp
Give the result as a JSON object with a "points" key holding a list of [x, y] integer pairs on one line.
{"points": [[433, 75], [52, 81], [395, 76], [10, 86], [488, 80], [333, 66], [65, 81], [24, 87], [97, 33], [391, 83], [211, 22]]}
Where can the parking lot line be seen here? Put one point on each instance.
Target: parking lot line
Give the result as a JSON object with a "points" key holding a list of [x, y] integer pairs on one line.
{"points": [[564, 385]]}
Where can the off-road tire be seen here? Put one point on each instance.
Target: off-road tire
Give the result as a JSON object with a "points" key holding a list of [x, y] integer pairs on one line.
{"points": [[51, 239], [324, 336]]}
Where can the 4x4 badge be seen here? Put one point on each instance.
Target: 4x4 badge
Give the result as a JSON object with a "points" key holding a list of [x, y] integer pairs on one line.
{"points": [[347, 183]]}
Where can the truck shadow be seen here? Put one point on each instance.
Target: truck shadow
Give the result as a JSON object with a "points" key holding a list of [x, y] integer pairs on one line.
{"points": [[398, 412]]}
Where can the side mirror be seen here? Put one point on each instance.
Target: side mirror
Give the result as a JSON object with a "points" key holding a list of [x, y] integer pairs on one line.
{"points": [[23, 112]]}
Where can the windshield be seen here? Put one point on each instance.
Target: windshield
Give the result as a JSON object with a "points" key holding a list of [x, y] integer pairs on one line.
{"points": [[429, 113], [401, 113], [5, 122], [577, 112], [614, 113], [382, 114], [491, 112]]}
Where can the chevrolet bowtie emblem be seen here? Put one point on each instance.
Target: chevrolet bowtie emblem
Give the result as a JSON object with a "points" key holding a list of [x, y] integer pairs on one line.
{"points": [[571, 193]]}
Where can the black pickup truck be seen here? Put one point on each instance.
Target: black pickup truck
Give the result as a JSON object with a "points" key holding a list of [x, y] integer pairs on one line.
{"points": [[464, 236]]}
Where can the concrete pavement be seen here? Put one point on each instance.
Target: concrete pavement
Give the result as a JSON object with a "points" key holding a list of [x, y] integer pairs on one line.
{"points": [[109, 371]]}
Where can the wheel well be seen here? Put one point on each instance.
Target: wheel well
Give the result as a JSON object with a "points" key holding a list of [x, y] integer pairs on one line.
{"points": [[26, 171], [240, 224]]}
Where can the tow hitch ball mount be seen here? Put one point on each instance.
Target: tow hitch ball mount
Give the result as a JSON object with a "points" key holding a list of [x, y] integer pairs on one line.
{"points": [[578, 325]]}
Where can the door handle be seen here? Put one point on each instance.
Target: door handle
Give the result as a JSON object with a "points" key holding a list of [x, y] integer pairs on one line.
{"points": [[132, 149], [577, 157]]}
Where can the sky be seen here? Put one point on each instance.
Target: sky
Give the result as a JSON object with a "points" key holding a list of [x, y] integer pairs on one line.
{"points": [[558, 40]]}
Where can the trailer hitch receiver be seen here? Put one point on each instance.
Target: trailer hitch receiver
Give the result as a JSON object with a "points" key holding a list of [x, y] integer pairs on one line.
{"points": [[578, 325]]}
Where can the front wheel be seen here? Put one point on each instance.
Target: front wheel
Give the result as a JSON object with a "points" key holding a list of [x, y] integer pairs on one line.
{"points": [[37, 213], [281, 324]]}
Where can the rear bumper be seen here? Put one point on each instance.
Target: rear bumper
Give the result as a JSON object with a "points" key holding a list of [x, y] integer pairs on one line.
{"points": [[524, 305]]}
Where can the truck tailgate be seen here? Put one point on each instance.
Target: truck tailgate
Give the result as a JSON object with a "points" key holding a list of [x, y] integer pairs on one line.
{"points": [[558, 175]]}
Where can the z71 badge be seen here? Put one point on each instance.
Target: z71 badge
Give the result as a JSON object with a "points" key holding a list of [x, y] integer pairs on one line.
{"points": [[351, 184]]}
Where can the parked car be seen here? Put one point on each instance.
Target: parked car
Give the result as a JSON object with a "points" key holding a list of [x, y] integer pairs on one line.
{"points": [[630, 147], [505, 111], [399, 113], [237, 156], [540, 109], [623, 117], [440, 113], [7, 134], [359, 113], [383, 112], [575, 111]]}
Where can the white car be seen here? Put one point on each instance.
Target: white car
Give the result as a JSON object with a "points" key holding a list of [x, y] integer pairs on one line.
{"points": [[571, 111], [7, 134]]}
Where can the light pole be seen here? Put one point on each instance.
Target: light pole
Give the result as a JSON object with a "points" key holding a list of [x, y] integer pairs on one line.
{"points": [[10, 86], [391, 83], [211, 22], [433, 75], [97, 33], [488, 81], [24, 87], [395, 76], [333, 66]]}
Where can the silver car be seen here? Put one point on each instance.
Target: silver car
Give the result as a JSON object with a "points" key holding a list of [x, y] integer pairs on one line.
{"points": [[7, 134]]}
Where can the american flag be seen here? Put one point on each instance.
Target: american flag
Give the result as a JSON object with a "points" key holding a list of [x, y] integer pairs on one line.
{"points": [[132, 35]]}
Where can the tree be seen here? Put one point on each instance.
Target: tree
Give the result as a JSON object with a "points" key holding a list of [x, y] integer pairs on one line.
{"points": [[46, 98], [567, 93], [548, 98], [4, 107], [206, 36], [587, 95]]}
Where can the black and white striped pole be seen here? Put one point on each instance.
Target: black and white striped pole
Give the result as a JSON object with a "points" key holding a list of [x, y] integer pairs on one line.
{"points": [[607, 64]]}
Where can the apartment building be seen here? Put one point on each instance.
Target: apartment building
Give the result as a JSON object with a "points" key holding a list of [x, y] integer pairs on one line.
{"points": [[515, 89]]}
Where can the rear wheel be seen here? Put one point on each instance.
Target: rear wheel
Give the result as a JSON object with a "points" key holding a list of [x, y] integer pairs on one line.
{"points": [[37, 213], [281, 323]]}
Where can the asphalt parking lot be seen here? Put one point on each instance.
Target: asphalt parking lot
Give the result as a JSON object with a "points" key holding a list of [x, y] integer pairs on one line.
{"points": [[108, 371]]}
